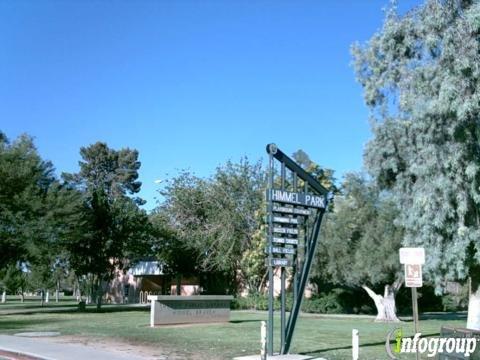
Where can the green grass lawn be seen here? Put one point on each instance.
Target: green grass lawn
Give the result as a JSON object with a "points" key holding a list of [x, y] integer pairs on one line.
{"points": [[323, 336]]}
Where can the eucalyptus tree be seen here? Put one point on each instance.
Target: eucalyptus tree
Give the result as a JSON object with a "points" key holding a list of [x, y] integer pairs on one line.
{"points": [[359, 244], [420, 75]]}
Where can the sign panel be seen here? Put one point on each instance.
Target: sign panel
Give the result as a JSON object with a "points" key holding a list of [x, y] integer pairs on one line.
{"points": [[279, 262], [280, 250], [285, 220], [412, 255], [281, 230], [282, 240], [291, 210], [413, 275], [296, 198]]}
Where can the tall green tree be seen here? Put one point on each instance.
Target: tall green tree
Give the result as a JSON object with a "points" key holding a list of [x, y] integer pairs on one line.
{"points": [[37, 212], [25, 180], [420, 74], [360, 241], [324, 175], [118, 230], [63, 222], [177, 257], [14, 280], [217, 217]]}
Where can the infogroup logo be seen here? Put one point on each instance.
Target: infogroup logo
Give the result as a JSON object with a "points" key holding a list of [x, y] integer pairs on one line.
{"points": [[431, 346]]}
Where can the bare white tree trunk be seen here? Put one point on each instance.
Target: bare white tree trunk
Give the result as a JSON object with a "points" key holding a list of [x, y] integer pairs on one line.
{"points": [[473, 320], [4, 296], [386, 311]]}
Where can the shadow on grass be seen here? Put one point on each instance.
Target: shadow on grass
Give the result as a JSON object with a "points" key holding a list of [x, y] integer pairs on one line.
{"points": [[35, 306], [72, 310], [444, 316], [24, 324], [243, 321], [438, 316], [348, 347]]}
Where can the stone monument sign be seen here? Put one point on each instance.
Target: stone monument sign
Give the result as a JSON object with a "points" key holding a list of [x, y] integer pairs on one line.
{"points": [[168, 309]]}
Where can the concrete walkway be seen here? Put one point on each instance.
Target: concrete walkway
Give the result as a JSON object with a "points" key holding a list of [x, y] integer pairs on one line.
{"points": [[49, 350]]}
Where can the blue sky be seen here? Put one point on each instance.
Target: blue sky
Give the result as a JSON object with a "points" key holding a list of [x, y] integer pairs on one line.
{"points": [[190, 84]]}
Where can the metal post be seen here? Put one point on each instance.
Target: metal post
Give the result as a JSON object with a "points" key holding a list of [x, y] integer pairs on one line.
{"points": [[303, 280], [302, 261], [306, 227], [415, 315], [282, 283], [295, 256], [270, 268]]}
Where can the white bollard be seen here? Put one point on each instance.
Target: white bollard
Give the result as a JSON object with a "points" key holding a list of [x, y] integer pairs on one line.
{"points": [[355, 344], [47, 298], [4, 296], [263, 340]]}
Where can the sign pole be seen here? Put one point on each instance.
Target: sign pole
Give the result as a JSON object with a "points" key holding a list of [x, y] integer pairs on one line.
{"points": [[270, 268], [415, 308], [413, 259], [415, 315], [287, 214], [295, 256], [282, 282]]}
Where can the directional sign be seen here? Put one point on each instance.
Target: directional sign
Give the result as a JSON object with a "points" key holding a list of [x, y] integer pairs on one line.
{"points": [[285, 220], [299, 197], [296, 198], [291, 210], [282, 240], [413, 275], [281, 230], [279, 262], [280, 250]]}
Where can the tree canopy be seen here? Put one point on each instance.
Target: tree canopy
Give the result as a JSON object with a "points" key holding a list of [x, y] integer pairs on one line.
{"points": [[360, 241], [116, 231], [420, 74], [216, 218]]}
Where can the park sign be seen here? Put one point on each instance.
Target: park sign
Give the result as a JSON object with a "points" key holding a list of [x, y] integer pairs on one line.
{"points": [[291, 210], [296, 202], [413, 259], [280, 250], [296, 198], [413, 275], [409, 255]]}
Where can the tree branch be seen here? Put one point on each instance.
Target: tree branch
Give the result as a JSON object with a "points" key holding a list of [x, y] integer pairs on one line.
{"points": [[370, 292]]}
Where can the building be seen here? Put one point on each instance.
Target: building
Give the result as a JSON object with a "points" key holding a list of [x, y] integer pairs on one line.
{"points": [[147, 278]]}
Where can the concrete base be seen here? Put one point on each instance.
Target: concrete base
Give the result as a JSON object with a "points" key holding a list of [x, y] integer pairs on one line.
{"points": [[276, 357]]}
